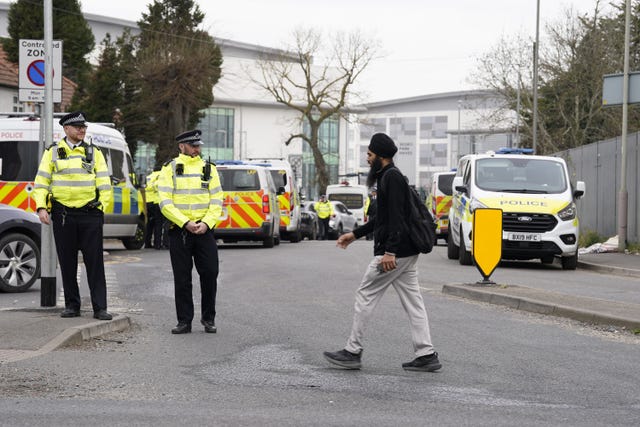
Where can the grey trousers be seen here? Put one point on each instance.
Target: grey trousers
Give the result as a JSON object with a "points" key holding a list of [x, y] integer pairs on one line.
{"points": [[404, 280]]}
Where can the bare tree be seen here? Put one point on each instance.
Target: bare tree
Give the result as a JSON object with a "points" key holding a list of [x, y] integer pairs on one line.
{"points": [[575, 54], [316, 92]]}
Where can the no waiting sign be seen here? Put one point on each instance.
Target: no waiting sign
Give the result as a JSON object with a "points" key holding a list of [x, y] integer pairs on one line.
{"points": [[31, 66]]}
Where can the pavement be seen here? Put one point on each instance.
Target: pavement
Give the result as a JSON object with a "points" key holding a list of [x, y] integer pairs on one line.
{"points": [[30, 332], [565, 300]]}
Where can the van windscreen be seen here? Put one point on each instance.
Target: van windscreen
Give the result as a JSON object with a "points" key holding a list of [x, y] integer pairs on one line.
{"points": [[350, 200]]}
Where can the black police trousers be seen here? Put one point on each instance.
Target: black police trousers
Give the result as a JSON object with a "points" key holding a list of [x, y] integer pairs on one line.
{"points": [[80, 229], [185, 249]]}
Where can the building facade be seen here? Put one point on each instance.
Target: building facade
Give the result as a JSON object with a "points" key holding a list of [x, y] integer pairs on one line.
{"points": [[432, 132]]}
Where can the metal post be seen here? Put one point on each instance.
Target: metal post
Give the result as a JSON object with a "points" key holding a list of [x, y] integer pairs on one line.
{"points": [[458, 150], [48, 257], [535, 81], [517, 141], [623, 196]]}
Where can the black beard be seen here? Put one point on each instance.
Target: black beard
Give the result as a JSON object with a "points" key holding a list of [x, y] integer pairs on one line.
{"points": [[376, 166]]}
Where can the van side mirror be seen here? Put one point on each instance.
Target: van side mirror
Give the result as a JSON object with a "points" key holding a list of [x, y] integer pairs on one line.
{"points": [[579, 191], [281, 190], [457, 185]]}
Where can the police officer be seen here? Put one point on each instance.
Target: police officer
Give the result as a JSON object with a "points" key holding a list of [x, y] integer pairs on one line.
{"points": [[73, 176], [324, 209], [155, 219], [191, 199]]}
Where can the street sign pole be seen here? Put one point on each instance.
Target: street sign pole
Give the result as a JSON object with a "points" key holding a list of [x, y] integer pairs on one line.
{"points": [[48, 271], [623, 200]]}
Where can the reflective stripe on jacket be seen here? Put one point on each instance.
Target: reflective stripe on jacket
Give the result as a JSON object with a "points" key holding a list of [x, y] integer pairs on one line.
{"points": [[71, 178], [185, 195]]}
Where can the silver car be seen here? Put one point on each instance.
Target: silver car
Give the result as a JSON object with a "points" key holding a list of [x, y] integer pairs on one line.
{"points": [[19, 249], [342, 221]]}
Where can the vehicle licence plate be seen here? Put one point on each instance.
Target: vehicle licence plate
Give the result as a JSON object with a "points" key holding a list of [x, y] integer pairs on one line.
{"points": [[523, 237]]}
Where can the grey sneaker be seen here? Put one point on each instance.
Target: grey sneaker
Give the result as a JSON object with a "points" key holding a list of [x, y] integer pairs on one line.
{"points": [[344, 359], [428, 363]]}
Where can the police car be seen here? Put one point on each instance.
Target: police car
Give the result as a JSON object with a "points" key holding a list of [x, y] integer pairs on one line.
{"points": [[537, 200]]}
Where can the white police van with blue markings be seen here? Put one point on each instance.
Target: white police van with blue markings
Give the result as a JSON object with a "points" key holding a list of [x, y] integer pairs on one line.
{"points": [[537, 199]]}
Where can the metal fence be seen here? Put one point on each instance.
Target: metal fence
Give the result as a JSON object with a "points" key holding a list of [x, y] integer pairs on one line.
{"points": [[598, 165]]}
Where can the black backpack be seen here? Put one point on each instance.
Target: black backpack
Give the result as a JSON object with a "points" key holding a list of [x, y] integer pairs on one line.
{"points": [[422, 229]]}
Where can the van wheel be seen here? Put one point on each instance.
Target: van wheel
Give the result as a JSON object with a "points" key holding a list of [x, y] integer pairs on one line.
{"points": [[268, 242], [296, 236], [137, 241], [569, 262], [453, 252], [464, 254], [19, 262]]}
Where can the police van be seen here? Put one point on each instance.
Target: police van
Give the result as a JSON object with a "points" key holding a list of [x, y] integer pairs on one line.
{"points": [[439, 201], [537, 199], [250, 209], [353, 196], [20, 158], [288, 198]]}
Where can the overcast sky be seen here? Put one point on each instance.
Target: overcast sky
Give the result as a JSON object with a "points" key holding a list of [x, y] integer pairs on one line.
{"points": [[429, 46]]}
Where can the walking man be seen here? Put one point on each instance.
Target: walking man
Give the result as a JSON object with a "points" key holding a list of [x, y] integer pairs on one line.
{"points": [[73, 175], [191, 198], [394, 263]]}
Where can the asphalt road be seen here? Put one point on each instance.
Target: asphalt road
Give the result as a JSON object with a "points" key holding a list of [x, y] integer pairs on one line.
{"points": [[279, 308]]}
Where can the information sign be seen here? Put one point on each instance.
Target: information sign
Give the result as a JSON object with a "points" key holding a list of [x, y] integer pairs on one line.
{"points": [[31, 70]]}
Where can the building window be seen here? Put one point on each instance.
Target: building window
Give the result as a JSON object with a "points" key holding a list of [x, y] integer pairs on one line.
{"points": [[217, 126], [18, 107], [371, 126], [433, 154], [403, 129], [328, 142], [433, 127]]}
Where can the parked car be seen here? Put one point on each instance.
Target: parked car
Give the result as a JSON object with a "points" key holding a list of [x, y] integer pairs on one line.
{"points": [[19, 249], [342, 221], [309, 225]]}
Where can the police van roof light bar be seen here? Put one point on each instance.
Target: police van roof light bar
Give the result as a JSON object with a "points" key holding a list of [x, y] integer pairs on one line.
{"points": [[508, 150]]}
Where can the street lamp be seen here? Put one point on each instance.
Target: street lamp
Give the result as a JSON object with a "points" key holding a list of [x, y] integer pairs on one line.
{"points": [[459, 107]]}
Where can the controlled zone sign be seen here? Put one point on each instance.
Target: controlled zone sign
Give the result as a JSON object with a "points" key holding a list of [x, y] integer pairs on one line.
{"points": [[31, 70], [487, 240]]}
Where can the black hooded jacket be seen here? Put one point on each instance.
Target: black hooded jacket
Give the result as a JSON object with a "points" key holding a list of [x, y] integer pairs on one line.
{"points": [[389, 226]]}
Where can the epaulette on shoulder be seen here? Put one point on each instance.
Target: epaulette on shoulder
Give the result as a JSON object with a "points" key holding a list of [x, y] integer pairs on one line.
{"points": [[52, 145], [167, 163]]}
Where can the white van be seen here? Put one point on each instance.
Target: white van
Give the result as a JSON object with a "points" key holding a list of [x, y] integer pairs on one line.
{"points": [[353, 196], [20, 158], [535, 193], [288, 198]]}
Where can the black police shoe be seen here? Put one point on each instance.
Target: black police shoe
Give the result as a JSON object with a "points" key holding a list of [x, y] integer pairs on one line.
{"points": [[69, 312], [344, 359], [102, 315], [428, 363], [181, 328], [209, 326]]}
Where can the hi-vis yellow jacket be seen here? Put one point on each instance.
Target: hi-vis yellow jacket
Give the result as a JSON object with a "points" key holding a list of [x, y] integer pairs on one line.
{"points": [[73, 177], [151, 189], [323, 209], [188, 192]]}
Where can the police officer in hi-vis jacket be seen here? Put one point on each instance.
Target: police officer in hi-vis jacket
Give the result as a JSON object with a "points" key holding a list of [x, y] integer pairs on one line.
{"points": [[190, 196], [74, 174]]}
